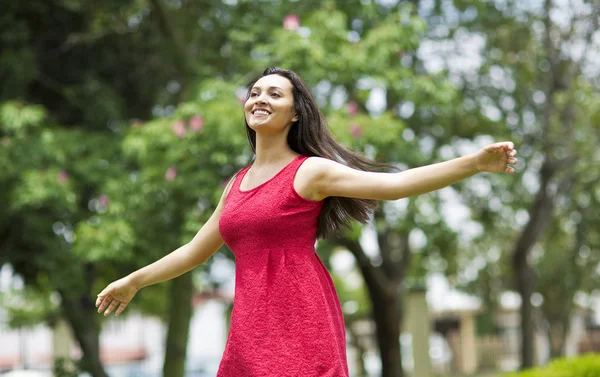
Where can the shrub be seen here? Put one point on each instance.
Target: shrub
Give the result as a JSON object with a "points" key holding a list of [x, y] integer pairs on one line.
{"points": [[583, 366]]}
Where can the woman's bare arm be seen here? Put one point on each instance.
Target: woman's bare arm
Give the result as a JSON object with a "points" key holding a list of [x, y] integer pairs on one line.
{"points": [[204, 244], [330, 178]]}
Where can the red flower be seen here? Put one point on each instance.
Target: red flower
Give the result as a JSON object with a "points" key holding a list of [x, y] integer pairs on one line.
{"points": [[171, 174], [196, 123], [179, 128], [352, 108], [356, 131], [62, 176], [103, 201], [291, 22]]}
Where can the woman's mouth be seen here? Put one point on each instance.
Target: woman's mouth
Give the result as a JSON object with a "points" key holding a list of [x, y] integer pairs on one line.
{"points": [[260, 113]]}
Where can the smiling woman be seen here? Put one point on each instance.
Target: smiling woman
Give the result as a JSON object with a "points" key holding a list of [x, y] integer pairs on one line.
{"points": [[301, 185], [270, 103]]}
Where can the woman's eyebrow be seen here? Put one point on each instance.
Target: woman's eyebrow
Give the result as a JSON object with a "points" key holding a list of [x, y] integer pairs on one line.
{"points": [[271, 87]]}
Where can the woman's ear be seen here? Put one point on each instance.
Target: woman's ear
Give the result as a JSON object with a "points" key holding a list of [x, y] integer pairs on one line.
{"points": [[295, 118]]}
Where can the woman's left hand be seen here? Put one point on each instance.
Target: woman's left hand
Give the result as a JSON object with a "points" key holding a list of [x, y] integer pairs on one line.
{"points": [[497, 158]]}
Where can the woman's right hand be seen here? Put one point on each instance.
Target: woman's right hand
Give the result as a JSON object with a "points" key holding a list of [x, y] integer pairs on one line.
{"points": [[118, 292]]}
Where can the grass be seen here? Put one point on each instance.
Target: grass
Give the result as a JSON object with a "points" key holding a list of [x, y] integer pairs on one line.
{"points": [[481, 374]]}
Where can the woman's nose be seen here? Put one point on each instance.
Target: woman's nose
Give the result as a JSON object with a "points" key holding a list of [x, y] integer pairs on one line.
{"points": [[261, 99]]}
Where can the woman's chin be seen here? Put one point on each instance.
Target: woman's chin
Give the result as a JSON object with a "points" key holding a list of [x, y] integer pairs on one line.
{"points": [[258, 125]]}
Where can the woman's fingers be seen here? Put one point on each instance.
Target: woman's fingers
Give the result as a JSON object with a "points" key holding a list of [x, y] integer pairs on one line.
{"points": [[111, 307], [107, 304], [106, 293], [100, 299], [506, 146], [121, 308], [115, 297], [103, 303]]}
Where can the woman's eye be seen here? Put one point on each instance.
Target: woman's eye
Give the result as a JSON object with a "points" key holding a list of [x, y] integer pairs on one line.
{"points": [[275, 94], [253, 94]]}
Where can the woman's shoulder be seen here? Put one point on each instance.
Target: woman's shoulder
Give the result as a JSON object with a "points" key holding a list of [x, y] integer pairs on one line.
{"points": [[307, 177], [316, 165], [314, 169]]}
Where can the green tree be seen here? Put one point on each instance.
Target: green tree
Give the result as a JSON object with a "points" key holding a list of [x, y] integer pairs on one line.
{"points": [[49, 176], [533, 85]]}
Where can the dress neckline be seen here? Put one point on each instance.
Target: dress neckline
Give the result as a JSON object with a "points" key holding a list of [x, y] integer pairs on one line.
{"points": [[239, 186]]}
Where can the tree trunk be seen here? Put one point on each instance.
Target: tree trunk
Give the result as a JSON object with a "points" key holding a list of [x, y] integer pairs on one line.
{"points": [[180, 313], [384, 293], [387, 316], [525, 288], [80, 311], [556, 337], [359, 361], [540, 214], [558, 330]]}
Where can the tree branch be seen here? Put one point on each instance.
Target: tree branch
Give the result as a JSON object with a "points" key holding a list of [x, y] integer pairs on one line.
{"points": [[406, 255], [383, 240], [391, 245], [550, 47], [181, 59], [374, 276], [540, 214], [575, 66]]}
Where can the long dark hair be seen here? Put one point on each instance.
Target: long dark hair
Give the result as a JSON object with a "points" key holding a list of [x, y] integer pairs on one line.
{"points": [[311, 136]]}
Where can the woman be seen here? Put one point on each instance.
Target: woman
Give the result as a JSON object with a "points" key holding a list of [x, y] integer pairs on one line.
{"points": [[302, 185]]}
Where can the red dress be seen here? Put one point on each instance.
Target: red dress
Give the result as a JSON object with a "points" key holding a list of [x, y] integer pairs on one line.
{"points": [[287, 319]]}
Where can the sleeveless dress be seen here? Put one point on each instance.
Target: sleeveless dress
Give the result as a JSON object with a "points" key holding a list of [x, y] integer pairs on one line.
{"points": [[287, 319]]}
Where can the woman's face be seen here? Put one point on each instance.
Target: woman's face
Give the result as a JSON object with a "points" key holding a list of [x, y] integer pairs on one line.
{"points": [[270, 106]]}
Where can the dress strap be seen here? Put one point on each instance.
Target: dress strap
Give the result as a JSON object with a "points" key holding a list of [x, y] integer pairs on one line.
{"points": [[236, 181], [293, 167]]}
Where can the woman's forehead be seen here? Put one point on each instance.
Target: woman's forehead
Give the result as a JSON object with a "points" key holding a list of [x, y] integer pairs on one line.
{"points": [[273, 81]]}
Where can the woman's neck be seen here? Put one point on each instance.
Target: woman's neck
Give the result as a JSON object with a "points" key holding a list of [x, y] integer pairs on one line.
{"points": [[272, 151]]}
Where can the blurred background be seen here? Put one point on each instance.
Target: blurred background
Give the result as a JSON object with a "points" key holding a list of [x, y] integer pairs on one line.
{"points": [[121, 121]]}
